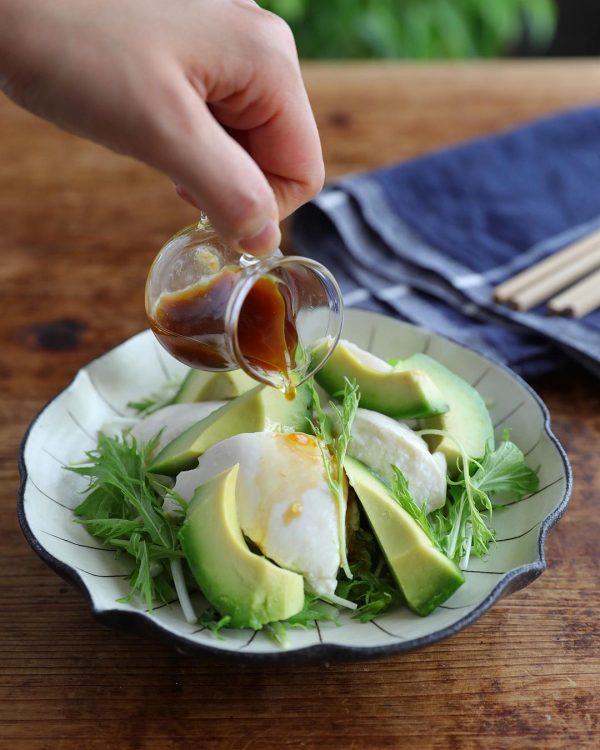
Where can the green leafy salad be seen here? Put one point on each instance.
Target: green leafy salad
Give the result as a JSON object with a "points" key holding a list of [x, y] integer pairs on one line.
{"points": [[370, 490]]}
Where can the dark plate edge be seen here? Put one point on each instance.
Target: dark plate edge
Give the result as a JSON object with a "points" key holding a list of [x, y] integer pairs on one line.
{"points": [[137, 622]]}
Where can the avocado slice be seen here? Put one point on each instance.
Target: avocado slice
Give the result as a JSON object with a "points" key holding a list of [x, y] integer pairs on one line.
{"points": [[468, 419], [400, 393], [261, 408], [238, 583], [199, 385], [425, 576]]}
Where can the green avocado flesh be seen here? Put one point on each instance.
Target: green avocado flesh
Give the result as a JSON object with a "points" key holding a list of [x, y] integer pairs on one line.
{"points": [[403, 393], [259, 409], [246, 587], [425, 576], [468, 419], [199, 385]]}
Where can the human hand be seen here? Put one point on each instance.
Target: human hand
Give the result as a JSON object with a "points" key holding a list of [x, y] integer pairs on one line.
{"points": [[207, 91]]}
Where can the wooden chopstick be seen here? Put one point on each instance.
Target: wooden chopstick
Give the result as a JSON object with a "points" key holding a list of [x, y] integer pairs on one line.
{"points": [[538, 283], [579, 299], [503, 292], [559, 279]]}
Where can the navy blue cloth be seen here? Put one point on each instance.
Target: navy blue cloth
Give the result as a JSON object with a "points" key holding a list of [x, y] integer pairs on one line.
{"points": [[428, 240]]}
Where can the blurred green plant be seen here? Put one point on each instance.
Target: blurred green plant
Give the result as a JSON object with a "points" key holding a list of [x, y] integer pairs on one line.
{"points": [[415, 28]]}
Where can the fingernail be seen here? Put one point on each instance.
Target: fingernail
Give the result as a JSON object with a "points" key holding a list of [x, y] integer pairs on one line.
{"points": [[265, 242]]}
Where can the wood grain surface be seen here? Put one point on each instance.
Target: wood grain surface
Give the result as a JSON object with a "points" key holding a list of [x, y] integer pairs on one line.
{"points": [[78, 229]]}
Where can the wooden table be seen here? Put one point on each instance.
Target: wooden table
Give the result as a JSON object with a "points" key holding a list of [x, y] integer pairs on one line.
{"points": [[78, 229]]}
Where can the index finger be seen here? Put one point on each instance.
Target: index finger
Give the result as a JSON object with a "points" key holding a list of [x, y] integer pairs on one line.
{"points": [[272, 119]]}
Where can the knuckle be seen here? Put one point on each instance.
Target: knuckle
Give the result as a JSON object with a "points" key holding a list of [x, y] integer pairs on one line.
{"points": [[274, 34], [281, 29]]}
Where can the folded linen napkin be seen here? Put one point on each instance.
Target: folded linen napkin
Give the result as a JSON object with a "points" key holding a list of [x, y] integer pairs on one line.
{"points": [[428, 240]]}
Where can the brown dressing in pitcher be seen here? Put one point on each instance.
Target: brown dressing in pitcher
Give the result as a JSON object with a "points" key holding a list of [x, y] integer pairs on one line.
{"points": [[190, 324]]}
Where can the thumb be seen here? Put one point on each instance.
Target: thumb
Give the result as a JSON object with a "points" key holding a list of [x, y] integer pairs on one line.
{"points": [[214, 173]]}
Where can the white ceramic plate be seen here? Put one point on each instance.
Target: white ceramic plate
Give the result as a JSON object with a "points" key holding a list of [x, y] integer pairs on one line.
{"points": [[68, 425]]}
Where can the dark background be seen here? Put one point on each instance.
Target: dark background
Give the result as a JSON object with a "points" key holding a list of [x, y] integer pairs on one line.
{"points": [[577, 33]]}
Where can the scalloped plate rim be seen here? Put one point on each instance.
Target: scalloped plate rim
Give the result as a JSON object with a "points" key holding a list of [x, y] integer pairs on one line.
{"points": [[128, 621]]}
